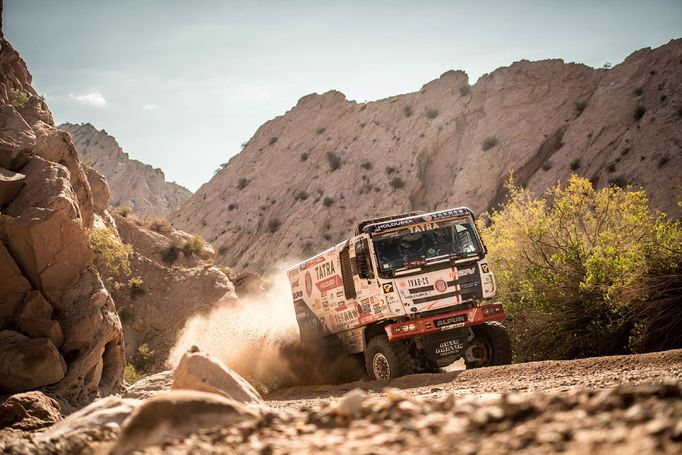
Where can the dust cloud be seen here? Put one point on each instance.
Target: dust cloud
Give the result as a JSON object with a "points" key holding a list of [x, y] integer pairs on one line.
{"points": [[259, 339]]}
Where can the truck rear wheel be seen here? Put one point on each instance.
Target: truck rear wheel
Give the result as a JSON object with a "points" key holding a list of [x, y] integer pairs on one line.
{"points": [[386, 360], [491, 346]]}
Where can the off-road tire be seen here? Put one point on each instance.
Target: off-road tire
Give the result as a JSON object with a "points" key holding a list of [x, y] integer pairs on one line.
{"points": [[400, 361], [497, 338]]}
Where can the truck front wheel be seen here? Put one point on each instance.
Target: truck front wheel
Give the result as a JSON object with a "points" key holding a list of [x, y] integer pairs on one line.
{"points": [[386, 360], [491, 346]]}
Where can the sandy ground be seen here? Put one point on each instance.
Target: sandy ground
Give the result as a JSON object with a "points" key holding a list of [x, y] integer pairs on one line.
{"points": [[549, 376]]}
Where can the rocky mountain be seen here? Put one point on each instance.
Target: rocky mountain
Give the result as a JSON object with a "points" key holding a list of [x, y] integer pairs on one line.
{"points": [[82, 291], [305, 178], [132, 182], [59, 330]]}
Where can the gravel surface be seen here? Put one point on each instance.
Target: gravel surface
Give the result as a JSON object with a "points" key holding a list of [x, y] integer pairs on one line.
{"points": [[605, 405]]}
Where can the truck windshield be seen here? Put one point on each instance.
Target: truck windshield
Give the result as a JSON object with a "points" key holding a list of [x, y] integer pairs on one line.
{"points": [[418, 245]]}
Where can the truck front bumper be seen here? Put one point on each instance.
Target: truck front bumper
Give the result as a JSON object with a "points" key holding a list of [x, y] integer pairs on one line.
{"points": [[444, 322]]}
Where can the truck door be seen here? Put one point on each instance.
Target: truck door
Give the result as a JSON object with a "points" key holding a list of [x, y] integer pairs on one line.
{"points": [[371, 304]]}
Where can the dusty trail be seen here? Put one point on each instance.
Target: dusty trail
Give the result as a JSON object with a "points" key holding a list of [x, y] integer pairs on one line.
{"points": [[594, 373]]}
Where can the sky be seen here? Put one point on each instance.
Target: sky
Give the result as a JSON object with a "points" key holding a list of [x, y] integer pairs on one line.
{"points": [[182, 84]]}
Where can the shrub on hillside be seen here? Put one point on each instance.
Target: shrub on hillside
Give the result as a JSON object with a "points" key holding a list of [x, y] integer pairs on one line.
{"points": [[334, 161], [489, 142], [194, 246], [170, 254], [431, 113], [585, 272], [160, 225], [112, 255], [18, 98]]}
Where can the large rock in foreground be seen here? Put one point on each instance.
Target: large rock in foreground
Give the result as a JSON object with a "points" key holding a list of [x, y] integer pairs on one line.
{"points": [[199, 371], [27, 363], [29, 411], [173, 415]]}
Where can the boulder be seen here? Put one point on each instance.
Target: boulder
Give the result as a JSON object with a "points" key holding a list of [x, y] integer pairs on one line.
{"points": [[10, 185], [109, 411], [177, 414], [27, 363], [56, 146], [47, 186], [34, 307], [50, 247], [29, 411], [150, 386], [199, 371], [17, 139], [41, 328], [99, 189], [13, 287]]}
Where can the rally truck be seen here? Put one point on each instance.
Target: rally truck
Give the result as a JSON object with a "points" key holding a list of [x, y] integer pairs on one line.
{"points": [[408, 293]]}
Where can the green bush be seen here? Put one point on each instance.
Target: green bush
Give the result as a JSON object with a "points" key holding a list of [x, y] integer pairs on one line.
{"points": [[407, 110], [195, 246], [320, 130], [160, 225], [301, 195], [242, 182], [397, 182], [131, 375], [273, 225], [125, 211], [113, 256], [431, 113], [366, 165], [328, 201], [489, 142], [18, 98], [585, 272], [464, 90], [170, 254], [334, 161]]}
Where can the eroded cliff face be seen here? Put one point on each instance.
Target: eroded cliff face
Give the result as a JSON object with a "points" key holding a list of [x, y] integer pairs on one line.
{"points": [[132, 182], [305, 178], [59, 331]]}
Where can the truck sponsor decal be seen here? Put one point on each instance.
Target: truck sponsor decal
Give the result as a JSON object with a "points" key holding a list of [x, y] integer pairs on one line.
{"points": [[324, 270], [308, 284], [329, 283], [485, 268], [449, 346], [419, 281], [387, 287], [297, 295], [423, 227], [441, 286], [465, 272], [312, 262], [417, 220]]}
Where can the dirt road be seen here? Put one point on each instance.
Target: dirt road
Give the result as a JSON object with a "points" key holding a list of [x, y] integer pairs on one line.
{"points": [[549, 376]]}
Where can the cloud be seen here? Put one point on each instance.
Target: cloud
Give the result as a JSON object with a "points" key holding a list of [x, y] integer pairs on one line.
{"points": [[92, 98], [150, 107]]}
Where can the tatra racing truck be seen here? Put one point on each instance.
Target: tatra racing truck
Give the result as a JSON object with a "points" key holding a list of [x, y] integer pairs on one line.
{"points": [[412, 292]]}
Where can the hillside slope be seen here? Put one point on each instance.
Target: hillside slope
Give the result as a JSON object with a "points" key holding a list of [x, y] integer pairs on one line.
{"points": [[305, 178], [132, 183]]}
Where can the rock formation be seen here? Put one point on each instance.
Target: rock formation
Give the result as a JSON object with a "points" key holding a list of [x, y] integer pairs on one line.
{"points": [[306, 178], [175, 283], [132, 182], [59, 331]]}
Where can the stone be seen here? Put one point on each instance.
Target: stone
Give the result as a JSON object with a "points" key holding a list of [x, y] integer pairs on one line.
{"points": [[29, 411], [99, 188], [13, 287], [132, 183], [17, 139], [109, 411], [350, 405], [34, 307], [150, 386], [177, 414], [50, 247], [56, 146], [199, 371], [47, 186], [10, 185], [40, 328], [27, 363]]}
